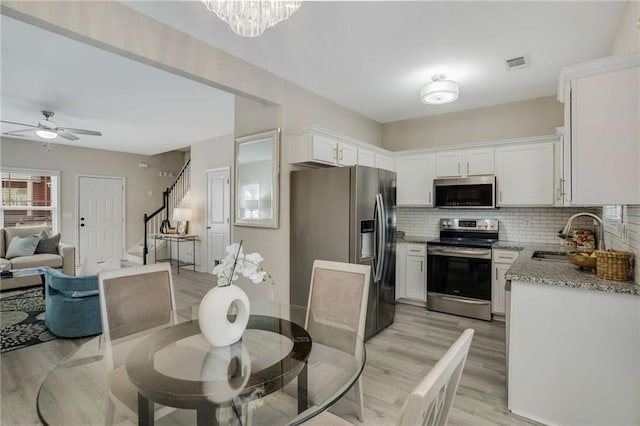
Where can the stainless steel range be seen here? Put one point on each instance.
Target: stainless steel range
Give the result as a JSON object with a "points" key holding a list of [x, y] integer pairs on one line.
{"points": [[459, 267]]}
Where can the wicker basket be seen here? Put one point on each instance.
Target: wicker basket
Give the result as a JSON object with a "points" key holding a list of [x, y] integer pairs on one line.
{"points": [[613, 265]]}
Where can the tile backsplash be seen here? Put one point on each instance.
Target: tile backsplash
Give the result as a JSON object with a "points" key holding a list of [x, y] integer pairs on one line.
{"points": [[525, 225]]}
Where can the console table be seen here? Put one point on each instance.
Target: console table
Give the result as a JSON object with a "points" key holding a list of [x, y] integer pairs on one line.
{"points": [[176, 238]]}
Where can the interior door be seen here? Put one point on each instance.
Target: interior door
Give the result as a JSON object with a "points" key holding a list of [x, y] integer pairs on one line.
{"points": [[218, 213], [100, 218]]}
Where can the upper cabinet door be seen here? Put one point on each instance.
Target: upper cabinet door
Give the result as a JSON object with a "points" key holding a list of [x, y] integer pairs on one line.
{"points": [[385, 162], [525, 175], [478, 162], [449, 164], [415, 180], [605, 138], [347, 154], [324, 150], [366, 158]]}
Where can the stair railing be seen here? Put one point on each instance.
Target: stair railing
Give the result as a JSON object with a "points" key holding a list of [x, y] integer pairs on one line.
{"points": [[171, 198]]}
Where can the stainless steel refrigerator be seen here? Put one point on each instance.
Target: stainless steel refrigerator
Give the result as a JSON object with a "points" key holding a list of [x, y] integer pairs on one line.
{"points": [[346, 214]]}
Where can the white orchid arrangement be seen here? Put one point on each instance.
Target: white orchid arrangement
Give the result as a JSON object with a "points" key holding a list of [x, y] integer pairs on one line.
{"points": [[236, 262]]}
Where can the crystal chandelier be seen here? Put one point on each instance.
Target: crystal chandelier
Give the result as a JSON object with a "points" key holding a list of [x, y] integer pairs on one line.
{"points": [[249, 18]]}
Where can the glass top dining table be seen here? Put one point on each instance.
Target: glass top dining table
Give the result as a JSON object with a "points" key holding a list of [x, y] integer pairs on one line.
{"points": [[163, 371]]}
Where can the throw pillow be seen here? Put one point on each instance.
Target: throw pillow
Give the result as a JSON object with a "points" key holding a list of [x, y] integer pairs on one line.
{"points": [[22, 246], [88, 267], [46, 244], [111, 263]]}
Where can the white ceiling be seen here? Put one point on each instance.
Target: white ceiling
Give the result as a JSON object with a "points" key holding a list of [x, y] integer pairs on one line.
{"points": [[372, 57], [138, 108]]}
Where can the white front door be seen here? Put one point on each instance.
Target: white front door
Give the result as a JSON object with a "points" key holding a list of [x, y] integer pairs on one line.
{"points": [[218, 213], [100, 218]]}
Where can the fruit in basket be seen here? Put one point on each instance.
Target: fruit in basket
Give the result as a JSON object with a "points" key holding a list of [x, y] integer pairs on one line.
{"points": [[593, 254]]}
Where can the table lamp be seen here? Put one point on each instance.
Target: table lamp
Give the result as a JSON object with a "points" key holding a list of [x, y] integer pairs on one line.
{"points": [[182, 216]]}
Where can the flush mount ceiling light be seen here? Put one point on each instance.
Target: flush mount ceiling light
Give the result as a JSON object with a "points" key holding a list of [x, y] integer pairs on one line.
{"points": [[46, 134], [250, 18], [439, 91]]}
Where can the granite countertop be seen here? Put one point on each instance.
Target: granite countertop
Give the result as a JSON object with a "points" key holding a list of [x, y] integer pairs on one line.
{"points": [[415, 239], [563, 274]]}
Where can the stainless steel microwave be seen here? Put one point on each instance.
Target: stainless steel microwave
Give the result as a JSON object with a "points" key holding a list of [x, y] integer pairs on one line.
{"points": [[477, 192]]}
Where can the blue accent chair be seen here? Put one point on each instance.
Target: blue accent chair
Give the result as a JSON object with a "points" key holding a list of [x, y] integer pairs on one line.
{"points": [[72, 304]]}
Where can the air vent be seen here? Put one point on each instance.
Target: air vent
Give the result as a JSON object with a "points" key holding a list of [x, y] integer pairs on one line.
{"points": [[518, 62]]}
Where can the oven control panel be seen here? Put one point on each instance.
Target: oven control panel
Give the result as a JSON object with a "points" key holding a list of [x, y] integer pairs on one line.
{"points": [[469, 224]]}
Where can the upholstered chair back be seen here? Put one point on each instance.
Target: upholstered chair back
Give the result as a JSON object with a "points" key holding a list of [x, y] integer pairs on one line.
{"points": [[136, 298]]}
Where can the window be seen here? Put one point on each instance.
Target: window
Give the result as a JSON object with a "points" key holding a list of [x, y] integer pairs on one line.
{"points": [[29, 197], [250, 200]]}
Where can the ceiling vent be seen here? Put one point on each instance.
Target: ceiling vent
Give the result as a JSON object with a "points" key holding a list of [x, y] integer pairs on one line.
{"points": [[516, 63]]}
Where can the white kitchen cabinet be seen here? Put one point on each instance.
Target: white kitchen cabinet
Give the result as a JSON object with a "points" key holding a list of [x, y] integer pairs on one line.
{"points": [[525, 175], [502, 260], [601, 132], [312, 148], [414, 185], [366, 158], [315, 146], [385, 162], [416, 272], [470, 162], [347, 154], [401, 267], [448, 164]]}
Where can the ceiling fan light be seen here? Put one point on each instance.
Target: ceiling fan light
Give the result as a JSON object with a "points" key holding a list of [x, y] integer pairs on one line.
{"points": [[439, 92], [46, 134]]}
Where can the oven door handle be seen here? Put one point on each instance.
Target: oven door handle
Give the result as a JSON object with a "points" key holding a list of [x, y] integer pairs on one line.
{"points": [[467, 301], [475, 254]]}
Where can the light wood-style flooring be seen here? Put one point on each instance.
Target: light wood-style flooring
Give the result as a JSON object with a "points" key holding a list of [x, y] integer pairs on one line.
{"points": [[397, 359]]}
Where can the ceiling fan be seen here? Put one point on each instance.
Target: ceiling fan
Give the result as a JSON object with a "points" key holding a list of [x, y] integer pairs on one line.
{"points": [[47, 129]]}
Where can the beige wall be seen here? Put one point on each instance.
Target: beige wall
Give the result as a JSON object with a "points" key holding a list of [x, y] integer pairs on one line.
{"points": [[628, 35], [533, 117], [117, 28], [72, 161]]}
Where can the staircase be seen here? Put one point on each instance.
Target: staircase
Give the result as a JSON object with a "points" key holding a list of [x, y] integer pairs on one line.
{"points": [[144, 250]]}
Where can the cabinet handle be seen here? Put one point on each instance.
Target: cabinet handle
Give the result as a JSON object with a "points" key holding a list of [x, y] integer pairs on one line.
{"points": [[467, 167], [496, 274], [458, 168], [340, 155], [505, 257], [335, 153], [500, 195], [429, 197], [421, 262]]}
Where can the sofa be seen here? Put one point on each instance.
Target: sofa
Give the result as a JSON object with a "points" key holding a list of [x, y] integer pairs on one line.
{"points": [[64, 260]]}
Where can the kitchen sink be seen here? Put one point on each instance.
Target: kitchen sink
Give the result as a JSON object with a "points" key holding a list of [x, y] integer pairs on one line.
{"points": [[550, 256]]}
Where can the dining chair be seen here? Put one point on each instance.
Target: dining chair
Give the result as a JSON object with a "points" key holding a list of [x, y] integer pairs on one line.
{"points": [[430, 401], [132, 300], [336, 314]]}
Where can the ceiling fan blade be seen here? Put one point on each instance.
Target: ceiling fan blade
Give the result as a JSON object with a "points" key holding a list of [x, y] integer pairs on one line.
{"points": [[80, 131], [66, 135], [19, 124], [19, 131]]}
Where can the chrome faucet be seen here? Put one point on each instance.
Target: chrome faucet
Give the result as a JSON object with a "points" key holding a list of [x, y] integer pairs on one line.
{"points": [[567, 228]]}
